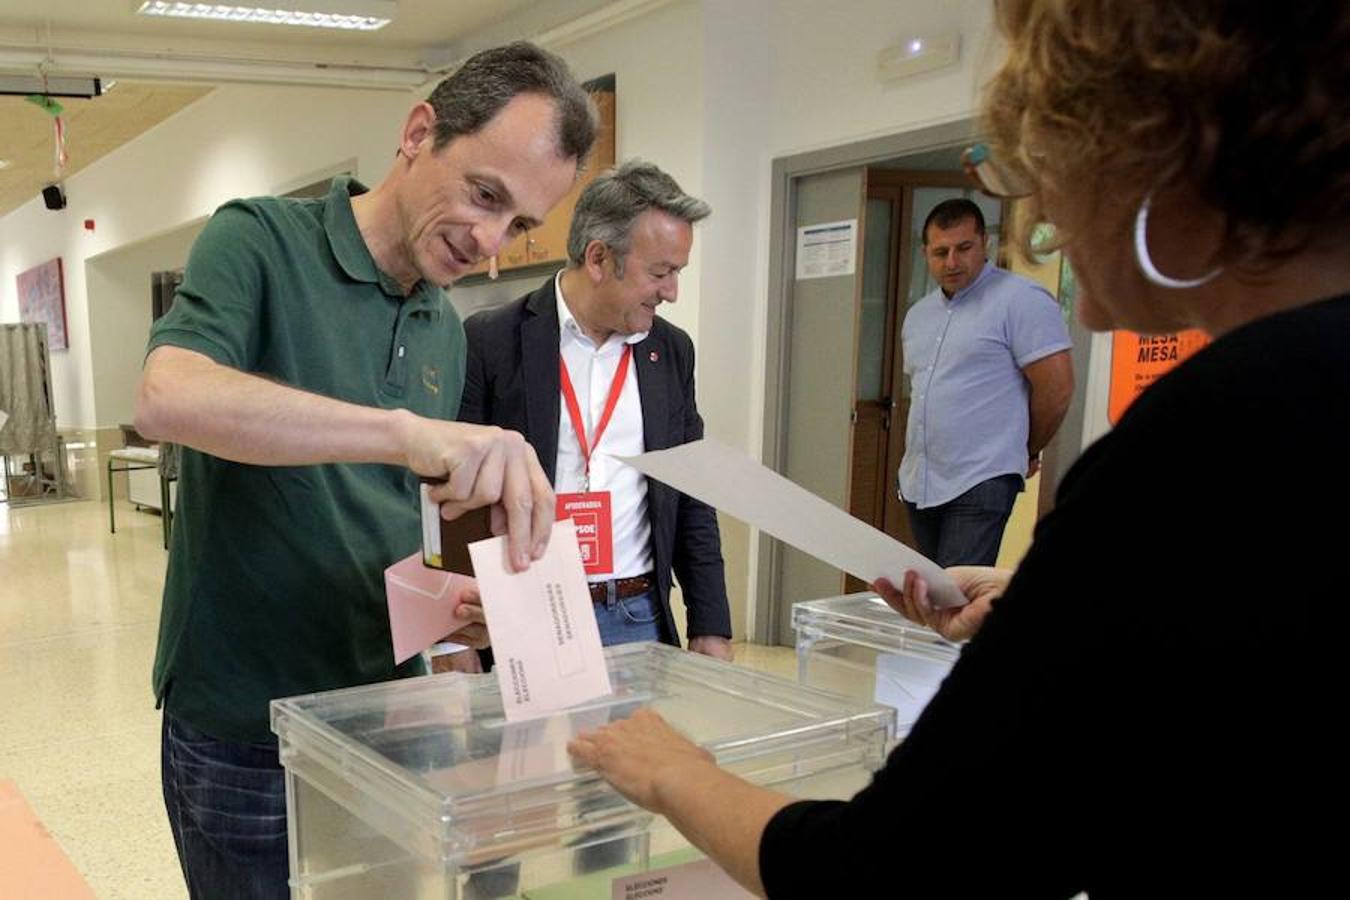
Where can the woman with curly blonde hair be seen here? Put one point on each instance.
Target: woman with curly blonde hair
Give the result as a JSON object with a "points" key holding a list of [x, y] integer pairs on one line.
{"points": [[1146, 706]]}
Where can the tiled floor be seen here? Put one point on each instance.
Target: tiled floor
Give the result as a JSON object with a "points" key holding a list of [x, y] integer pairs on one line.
{"points": [[79, 733], [78, 729]]}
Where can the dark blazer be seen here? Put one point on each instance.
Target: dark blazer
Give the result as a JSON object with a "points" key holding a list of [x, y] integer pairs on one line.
{"points": [[512, 381]]}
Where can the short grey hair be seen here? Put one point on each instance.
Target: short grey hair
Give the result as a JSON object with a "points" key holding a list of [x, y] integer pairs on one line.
{"points": [[608, 207]]}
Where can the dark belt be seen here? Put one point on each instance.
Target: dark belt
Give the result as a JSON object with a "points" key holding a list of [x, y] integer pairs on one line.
{"points": [[623, 588]]}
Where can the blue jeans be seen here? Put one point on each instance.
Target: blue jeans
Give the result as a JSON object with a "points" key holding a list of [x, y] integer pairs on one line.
{"points": [[636, 618], [227, 807], [966, 531]]}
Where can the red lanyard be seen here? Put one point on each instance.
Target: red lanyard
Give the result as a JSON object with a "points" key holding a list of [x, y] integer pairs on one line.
{"points": [[574, 411]]}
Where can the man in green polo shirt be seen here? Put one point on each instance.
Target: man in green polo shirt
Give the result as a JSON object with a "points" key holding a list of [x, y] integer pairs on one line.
{"points": [[311, 368]]}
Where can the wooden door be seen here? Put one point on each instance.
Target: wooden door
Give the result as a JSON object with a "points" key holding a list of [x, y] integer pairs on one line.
{"points": [[894, 276]]}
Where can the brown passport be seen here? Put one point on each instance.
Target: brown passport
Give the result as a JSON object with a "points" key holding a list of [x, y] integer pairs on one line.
{"points": [[445, 543]]}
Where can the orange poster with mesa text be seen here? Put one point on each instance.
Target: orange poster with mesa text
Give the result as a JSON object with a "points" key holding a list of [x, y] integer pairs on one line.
{"points": [[1138, 360]]}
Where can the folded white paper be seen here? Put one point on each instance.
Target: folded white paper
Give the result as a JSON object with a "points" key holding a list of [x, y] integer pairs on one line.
{"points": [[729, 480], [907, 683], [545, 641]]}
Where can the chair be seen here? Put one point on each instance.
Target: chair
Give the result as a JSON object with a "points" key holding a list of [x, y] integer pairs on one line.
{"points": [[130, 459]]}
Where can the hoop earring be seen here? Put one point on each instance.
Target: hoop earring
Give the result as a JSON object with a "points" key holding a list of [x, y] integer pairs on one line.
{"points": [[1146, 262]]}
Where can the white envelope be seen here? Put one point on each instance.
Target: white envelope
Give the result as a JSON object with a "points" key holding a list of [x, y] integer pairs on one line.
{"points": [[907, 683], [545, 641]]}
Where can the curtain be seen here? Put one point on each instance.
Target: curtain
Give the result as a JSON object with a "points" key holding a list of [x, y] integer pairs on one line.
{"points": [[24, 391]]}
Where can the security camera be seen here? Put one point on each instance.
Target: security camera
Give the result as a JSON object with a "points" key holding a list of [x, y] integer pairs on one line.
{"points": [[54, 195]]}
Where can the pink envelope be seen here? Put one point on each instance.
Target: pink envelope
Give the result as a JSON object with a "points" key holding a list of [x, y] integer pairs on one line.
{"points": [[422, 604]]}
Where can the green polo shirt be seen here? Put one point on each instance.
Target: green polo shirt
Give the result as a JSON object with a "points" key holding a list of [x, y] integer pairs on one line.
{"points": [[275, 581]]}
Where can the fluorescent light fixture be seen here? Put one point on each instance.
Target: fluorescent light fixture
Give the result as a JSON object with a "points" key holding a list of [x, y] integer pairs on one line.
{"points": [[918, 54], [52, 86], [179, 68], [350, 15]]}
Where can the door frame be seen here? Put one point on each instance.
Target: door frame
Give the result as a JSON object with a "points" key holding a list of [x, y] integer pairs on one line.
{"points": [[905, 182], [782, 266]]}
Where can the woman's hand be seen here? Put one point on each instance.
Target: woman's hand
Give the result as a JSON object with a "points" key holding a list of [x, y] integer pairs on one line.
{"points": [[982, 585], [638, 754]]}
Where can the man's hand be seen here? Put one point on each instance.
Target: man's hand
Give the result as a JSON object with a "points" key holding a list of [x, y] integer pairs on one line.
{"points": [[982, 585], [465, 661], [471, 622], [712, 645], [636, 754], [1049, 392], [1033, 465], [473, 631], [188, 398], [485, 465]]}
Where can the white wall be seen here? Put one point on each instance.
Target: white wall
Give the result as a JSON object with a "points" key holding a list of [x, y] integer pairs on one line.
{"points": [[117, 284], [825, 90], [825, 93], [656, 61], [1095, 420], [735, 162], [237, 141]]}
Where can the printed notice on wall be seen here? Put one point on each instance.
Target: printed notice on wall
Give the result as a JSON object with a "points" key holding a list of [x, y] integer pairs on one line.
{"points": [[697, 880], [826, 250]]}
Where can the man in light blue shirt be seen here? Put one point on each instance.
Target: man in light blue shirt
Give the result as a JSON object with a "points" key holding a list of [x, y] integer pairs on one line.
{"points": [[987, 356]]}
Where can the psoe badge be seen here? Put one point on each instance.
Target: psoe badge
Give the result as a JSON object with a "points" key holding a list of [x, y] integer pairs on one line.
{"points": [[590, 515]]}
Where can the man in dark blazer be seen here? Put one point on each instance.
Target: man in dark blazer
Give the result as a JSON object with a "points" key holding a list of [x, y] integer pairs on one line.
{"points": [[625, 385]]}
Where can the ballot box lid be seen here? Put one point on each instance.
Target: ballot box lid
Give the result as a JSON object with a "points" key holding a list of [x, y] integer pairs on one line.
{"points": [[866, 620], [432, 763]]}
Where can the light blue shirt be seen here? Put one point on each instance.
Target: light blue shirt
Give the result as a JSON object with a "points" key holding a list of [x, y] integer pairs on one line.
{"points": [[968, 416]]}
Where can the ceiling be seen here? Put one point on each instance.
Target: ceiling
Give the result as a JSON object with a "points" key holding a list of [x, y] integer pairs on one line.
{"points": [[161, 65], [93, 128], [418, 24]]}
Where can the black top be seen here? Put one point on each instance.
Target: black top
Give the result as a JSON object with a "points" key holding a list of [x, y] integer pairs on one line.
{"points": [[1150, 708]]}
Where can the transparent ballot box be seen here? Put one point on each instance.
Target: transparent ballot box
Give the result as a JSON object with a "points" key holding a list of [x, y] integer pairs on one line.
{"points": [[420, 789], [858, 646]]}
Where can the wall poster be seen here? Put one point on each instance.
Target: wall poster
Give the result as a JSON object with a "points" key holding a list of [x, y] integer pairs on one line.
{"points": [[1138, 360], [42, 298]]}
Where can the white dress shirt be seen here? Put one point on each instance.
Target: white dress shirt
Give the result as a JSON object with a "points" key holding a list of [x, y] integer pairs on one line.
{"points": [[592, 371]]}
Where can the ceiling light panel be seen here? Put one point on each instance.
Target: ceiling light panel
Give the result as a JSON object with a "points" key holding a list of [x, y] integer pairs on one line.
{"points": [[347, 15]]}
